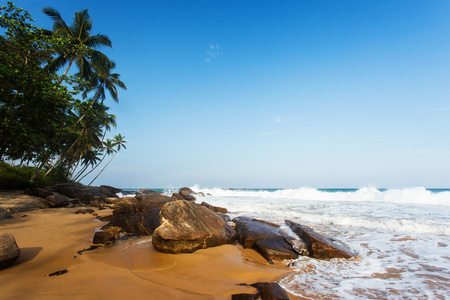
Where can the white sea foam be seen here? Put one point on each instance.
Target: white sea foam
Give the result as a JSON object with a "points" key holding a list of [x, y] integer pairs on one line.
{"points": [[402, 236], [416, 195]]}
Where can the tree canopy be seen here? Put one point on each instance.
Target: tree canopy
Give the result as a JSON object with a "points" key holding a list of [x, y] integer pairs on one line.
{"points": [[46, 118]]}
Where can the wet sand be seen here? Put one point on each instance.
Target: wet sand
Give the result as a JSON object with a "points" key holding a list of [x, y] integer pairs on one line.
{"points": [[50, 238]]}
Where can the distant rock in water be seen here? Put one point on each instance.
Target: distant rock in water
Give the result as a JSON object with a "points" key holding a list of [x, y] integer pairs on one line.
{"points": [[9, 251], [318, 245], [187, 227]]}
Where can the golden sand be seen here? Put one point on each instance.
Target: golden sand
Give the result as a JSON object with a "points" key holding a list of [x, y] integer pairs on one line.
{"points": [[50, 238]]}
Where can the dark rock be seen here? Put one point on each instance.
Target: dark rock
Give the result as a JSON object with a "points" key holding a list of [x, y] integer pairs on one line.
{"points": [[251, 230], [147, 191], [275, 249], [111, 189], [187, 194], [187, 227], [217, 209], [264, 237], [227, 218], [186, 190], [318, 245], [57, 200], [154, 200], [84, 211], [9, 251], [107, 193], [57, 273], [42, 192], [137, 215], [177, 196], [4, 216], [103, 238], [270, 291]]}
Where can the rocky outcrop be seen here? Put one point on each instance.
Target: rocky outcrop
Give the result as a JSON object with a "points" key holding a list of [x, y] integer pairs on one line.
{"points": [[265, 237], [318, 245], [136, 216], [187, 227], [9, 251], [64, 194]]}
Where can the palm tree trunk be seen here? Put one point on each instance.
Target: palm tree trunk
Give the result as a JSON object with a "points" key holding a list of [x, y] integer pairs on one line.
{"points": [[102, 169], [64, 154], [92, 168]]}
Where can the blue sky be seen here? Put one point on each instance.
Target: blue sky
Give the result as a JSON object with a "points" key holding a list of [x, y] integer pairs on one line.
{"points": [[276, 93]]}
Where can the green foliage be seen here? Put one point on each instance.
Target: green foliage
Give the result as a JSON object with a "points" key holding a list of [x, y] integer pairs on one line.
{"points": [[41, 120], [17, 178]]}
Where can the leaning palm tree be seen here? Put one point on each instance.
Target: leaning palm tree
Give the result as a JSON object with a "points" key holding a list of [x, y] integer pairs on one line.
{"points": [[108, 148], [119, 142], [79, 34], [103, 80]]}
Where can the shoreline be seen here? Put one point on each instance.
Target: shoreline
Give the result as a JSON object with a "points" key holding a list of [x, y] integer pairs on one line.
{"points": [[50, 238]]}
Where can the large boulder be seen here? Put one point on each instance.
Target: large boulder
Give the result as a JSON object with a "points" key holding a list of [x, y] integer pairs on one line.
{"points": [[187, 227], [9, 251], [136, 216], [265, 237], [217, 209], [319, 246]]}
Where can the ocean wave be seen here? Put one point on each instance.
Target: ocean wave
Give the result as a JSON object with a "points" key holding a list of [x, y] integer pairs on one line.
{"points": [[415, 195]]}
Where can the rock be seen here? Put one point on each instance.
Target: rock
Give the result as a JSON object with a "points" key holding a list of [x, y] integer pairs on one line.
{"points": [[227, 218], [177, 196], [215, 208], [187, 194], [186, 190], [265, 291], [138, 215], [57, 200], [111, 189], [103, 238], [187, 227], [84, 211], [270, 291], [251, 230], [147, 191], [4, 216], [275, 249], [9, 251], [42, 192], [264, 237], [318, 245]]}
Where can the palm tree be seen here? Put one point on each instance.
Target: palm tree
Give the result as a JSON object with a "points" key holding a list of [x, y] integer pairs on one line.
{"points": [[108, 147], [79, 34], [119, 142], [102, 79]]}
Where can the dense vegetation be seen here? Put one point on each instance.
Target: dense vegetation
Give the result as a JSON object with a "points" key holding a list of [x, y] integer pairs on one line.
{"points": [[51, 124]]}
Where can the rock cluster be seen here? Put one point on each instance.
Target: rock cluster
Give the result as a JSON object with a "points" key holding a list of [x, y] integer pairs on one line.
{"points": [[66, 194]]}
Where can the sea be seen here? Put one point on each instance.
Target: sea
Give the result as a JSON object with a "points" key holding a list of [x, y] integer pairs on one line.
{"points": [[401, 238]]}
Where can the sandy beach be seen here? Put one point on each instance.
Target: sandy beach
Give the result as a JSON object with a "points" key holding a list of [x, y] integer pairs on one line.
{"points": [[50, 238]]}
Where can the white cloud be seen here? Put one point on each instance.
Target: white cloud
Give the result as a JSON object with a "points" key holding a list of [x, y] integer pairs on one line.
{"points": [[442, 108], [214, 54]]}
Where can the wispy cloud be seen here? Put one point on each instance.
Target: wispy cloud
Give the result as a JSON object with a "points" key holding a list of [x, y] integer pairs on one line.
{"points": [[270, 132], [441, 108], [213, 53]]}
